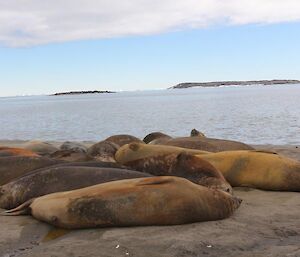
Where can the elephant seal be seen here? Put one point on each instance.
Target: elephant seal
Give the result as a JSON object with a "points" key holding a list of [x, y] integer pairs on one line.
{"points": [[71, 156], [75, 147], [16, 166], [135, 151], [196, 133], [257, 169], [183, 165], [103, 151], [155, 135], [41, 148], [206, 144], [121, 140], [59, 179], [131, 202], [11, 151]]}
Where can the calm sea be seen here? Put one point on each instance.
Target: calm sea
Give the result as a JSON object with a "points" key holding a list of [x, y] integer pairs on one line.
{"points": [[253, 114]]}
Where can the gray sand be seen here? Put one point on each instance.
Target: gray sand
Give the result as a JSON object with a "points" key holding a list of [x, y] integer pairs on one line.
{"points": [[266, 224]]}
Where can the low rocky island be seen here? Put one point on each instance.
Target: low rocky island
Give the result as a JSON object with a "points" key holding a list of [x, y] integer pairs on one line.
{"points": [[234, 83], [83, 92]]}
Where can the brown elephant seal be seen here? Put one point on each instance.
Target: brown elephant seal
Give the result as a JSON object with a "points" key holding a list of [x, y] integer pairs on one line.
{"points": [[71, 156], [16, 166], [135, 151], [196, 133], [121, 140], [183, 165], [11, 151], [257, 169], [131, 202], [73, 146], [41, 148], [154, 136], [59, 179], [103, 151], [206, 144]]}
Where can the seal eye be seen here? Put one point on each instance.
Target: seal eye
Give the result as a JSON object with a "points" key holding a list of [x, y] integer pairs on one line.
{"points": [[228, 190]]}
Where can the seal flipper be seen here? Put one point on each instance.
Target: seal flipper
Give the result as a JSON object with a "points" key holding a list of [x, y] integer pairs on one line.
{"points": [[22, 209]]}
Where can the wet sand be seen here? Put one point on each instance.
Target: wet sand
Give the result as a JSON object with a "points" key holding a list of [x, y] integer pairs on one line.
{"points": [[266, 224]]}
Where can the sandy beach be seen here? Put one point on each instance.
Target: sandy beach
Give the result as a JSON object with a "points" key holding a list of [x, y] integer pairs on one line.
{"points": [[266, 224]]}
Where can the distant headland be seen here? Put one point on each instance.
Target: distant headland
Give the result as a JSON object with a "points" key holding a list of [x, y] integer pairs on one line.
{"points": [[83, 92], [234, 83]]}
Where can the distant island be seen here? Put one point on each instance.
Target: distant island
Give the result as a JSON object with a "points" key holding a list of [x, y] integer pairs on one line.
{"points": [[234, 83], [83, 92]]}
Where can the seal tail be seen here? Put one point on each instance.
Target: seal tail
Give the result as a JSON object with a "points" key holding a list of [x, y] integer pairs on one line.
{"points": [[22, 209]]}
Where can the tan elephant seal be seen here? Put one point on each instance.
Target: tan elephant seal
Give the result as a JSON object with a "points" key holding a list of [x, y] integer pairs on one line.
{"points": [[121, 140], [257, 169], [132, 202], [135, 151], [103, 151], [206, 144], [41, 148], [11, 151], [183, 165], [58, 179], [154, 136]]}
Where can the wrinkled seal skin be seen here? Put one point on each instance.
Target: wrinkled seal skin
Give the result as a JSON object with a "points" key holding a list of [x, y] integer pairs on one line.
{"points": [[205, 144], [74, 146], [196, 133], [154, 136], [103, 151], [135, 151], [121, 140], [132, 202], [16, 166], [257, 169], [71, 156], [59, 179], [11, 151], [183, 165]]}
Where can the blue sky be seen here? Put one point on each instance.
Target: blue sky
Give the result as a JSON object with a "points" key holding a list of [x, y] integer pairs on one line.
{"points": [[219, 51]]}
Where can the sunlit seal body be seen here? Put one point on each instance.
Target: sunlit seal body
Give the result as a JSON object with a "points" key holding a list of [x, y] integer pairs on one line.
{"points": [[181, 164], [154, 136], [59, 179], [16, 166], [41, 148], [74, 146], [206, 144], [132, 202], [121, 140], [103, 151], [11, 151], [135, 151], [257, 169]]}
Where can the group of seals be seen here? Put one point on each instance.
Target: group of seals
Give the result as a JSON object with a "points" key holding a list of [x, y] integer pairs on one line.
{"points": [[172, 161], [58, 179], [124, 181], [132, 202], [257, 169]]}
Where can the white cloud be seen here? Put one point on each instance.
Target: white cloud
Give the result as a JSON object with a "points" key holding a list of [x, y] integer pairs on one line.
{"points": [[33, 22]]}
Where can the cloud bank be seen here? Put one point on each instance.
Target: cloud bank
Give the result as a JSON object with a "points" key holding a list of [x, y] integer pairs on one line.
{"points": [[34, 22]]}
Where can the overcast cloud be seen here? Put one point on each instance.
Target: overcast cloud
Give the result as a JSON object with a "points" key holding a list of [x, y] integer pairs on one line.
{"points": [[34, 22]]}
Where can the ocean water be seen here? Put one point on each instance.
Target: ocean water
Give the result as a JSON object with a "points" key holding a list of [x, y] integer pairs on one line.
{"points": [[253, 114]]}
